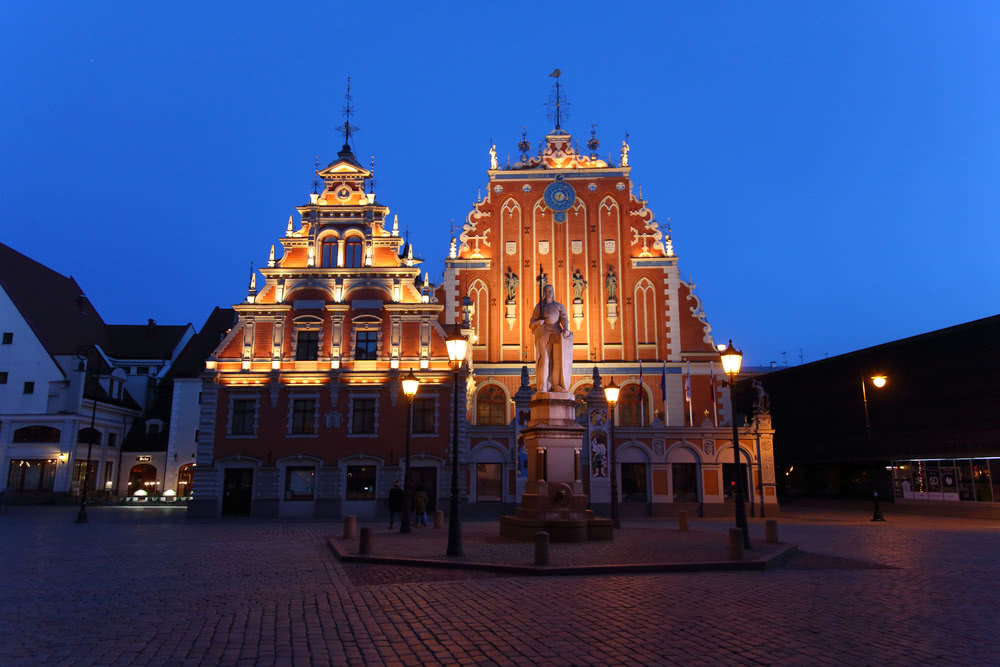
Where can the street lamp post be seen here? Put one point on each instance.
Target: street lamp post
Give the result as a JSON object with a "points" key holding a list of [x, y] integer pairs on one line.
{"points": [[457, 348], [410, 386], [81, 516], [732, 359], [611, 395]]}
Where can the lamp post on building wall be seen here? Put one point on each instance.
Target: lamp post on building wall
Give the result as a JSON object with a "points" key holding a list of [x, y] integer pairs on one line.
{"points": [[732, 359], [81, 516], [457, 348], [878, 381], [410, 386], [611, 395]]}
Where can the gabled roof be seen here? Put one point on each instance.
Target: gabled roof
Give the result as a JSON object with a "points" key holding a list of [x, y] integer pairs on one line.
{"points": [[144, 341], [54, 306], [344, 158], [191, 361]]}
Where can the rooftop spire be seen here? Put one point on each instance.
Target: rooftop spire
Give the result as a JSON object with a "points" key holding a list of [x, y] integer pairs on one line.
{"points": [[558, 104], [316, 176], [347, 128]]}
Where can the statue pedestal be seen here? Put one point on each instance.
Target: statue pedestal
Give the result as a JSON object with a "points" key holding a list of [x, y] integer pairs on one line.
{"points": [[553, 498]]}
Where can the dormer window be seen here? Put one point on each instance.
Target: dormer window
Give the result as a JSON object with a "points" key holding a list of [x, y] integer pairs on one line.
{"points": [[353, 253], [329, 253]]}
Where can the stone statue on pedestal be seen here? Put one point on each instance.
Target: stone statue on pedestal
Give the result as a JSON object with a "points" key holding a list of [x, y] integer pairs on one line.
{"points": [[510, 283], [553, 344]]}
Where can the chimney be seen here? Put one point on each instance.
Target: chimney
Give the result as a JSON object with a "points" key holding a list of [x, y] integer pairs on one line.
{"points": [[150, 323]]}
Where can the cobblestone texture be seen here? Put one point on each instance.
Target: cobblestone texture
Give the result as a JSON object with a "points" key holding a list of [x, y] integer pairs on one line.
{"points": [[147, 587], [647, 542]]}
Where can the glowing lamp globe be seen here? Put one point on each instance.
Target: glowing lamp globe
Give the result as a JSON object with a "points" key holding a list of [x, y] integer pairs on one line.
{"points": [[879, 380], [410, 384], [732, 359], [457, 346], [611, 393]]}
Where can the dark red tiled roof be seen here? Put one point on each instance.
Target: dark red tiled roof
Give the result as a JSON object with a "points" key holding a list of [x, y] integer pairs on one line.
{"points": [[54, 306], [144, 341], [191, 361]]}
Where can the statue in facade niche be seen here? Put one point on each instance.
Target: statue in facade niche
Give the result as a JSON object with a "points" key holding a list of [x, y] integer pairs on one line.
{"points": [[553, 344], [611, 284], [510, 283], [578, 285]]}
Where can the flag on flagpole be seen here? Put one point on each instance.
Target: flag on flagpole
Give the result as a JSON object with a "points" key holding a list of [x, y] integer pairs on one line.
{"points": [[715, 404], [663, 390], [642, 398], [687, 395]]}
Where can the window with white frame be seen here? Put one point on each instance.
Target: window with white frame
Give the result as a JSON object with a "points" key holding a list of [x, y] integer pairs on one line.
{"points": [[303, 415], [243, 416]]}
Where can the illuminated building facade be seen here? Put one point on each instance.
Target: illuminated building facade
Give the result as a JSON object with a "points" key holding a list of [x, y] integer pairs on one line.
{"points": [[575, 221], [302, 413]]}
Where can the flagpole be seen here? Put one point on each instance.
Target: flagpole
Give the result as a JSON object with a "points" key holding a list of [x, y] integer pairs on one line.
{"points": [[663, 388], [715, 405]]}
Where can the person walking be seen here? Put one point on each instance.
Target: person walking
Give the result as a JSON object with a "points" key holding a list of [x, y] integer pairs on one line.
{"points": [[420, 501], [395, 502]]}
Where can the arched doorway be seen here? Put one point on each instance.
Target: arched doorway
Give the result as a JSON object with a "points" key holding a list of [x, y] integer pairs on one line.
{"points": [[184, 480], [142, 476]]}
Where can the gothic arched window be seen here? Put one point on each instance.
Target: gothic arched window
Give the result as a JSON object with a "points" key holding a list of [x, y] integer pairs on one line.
{"points": [[630, 406], [353, 253], [491, 406]]}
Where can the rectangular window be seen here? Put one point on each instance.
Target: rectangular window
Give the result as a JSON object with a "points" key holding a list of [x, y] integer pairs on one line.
{"points": [[31, 475], [634, 483], [8, 337], [244, 411], [361, 482], [729, 481], [112, 439], [685, 482], [109, 476], [300, 483], [303, 416], [366, 346], [142, 370], [423, 415], [3, 377], [307, 348], [363, 415], [488, 482], [29, 387], [80, 472]]}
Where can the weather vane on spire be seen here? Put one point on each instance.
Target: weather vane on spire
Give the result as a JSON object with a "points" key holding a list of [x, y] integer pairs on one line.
{"points": [[558, 104], [348, 129], [316, 175]]}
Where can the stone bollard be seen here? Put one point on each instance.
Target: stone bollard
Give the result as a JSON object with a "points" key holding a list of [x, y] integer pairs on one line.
{"points": [[541, 548], [439, 519], [350, 526], [365, 543], [682, 520], [735, 544], [771, 531]]}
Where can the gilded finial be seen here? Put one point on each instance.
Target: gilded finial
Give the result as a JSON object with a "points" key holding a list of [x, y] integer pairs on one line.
{"points": [[289, 230], [395, 225], [270, 257]]}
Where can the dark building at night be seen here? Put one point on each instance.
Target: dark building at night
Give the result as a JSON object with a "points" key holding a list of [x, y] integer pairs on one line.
{"points": [[930, 434]]}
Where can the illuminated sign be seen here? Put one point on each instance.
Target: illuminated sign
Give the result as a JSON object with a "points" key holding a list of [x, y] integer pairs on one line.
{"points": [[143, 459]]}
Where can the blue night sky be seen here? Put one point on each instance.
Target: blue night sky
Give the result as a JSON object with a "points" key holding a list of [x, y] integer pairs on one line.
{"points": [[830, 169]]}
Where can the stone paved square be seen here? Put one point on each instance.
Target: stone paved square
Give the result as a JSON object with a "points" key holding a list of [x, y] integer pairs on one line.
{"points": [[147, 586]]}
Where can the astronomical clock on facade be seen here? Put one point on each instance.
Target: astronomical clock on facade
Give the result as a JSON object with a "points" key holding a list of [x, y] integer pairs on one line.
{"points": [[302, 410]]}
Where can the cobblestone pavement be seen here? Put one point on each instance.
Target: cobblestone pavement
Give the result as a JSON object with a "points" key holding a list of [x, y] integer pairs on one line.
{"points": [[646, 542], [145, 586]]}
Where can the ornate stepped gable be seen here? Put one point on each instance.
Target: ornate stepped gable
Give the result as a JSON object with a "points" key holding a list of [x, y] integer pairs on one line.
{"points": [[578, 222], [344, 270]]}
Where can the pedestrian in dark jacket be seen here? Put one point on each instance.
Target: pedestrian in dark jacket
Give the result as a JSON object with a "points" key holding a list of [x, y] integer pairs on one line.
{"points": [[395, 502], [420, 501]]}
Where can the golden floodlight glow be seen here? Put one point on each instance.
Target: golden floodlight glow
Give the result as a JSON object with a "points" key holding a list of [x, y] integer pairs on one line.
{"points": [[394, 363], [335, 363], [425, 363], [879, 380], [63, 457], [276, 364], [732, 359], [410, 384], [246, 364], [611, 393], [210, 365]]}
